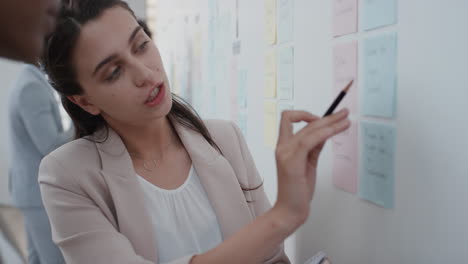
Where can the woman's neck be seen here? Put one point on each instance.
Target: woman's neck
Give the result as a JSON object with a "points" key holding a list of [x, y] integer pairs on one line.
{"points": [[150, 142]]}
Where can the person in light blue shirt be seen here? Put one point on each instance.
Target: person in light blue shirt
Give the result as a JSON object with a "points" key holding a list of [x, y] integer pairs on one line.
{"points": [[35, 129]]}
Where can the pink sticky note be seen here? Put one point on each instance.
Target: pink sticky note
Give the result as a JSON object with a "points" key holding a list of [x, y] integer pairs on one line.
{"points": [[345, 159], [345, 70], [344, 17]]}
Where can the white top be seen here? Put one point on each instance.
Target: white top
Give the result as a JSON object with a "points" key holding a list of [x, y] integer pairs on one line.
{"points": [[183, 219]]}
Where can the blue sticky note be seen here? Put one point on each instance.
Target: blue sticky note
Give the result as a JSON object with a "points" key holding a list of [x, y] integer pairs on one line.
{"points": [[379, 13], [285, 20], [242, 122], [242, 88], [377, 182], [380, 76], [286, 73]]}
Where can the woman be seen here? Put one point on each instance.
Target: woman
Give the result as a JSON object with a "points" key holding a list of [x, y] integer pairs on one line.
{"points": [[147, 181]]}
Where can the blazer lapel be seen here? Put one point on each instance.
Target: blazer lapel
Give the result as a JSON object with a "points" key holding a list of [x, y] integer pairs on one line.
{"points": [[219, 180], [216, 175], [133, 219]]}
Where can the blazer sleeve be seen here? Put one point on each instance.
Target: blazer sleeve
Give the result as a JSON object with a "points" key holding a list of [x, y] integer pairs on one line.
{"points": [[79, 227], [38, 117], [259, 202]]}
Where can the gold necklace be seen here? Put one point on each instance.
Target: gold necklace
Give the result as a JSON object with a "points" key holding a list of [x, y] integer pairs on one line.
{"points": [[145, 166], [146, 162], [153, 161]]}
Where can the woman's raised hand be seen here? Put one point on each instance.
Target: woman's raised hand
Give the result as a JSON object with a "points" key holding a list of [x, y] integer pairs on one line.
{"points": [[297, 157]]}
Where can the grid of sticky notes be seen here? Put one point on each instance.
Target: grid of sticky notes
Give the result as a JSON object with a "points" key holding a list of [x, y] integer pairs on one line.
{"points": [[224, 67], [365, 47], [278, 85]]}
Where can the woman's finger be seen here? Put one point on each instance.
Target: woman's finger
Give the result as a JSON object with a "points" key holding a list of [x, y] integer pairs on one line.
{"points": [[341, 115], [288, 118], [310, 141]]}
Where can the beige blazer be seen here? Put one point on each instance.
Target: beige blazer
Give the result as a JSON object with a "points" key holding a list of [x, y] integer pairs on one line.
{"points": [[96, 204]]}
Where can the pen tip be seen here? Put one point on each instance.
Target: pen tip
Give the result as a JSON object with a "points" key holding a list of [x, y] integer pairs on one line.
{"points": [[348, 86]]}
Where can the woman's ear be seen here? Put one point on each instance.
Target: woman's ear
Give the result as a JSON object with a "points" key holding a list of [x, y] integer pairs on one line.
{"points": [[84, 103]]}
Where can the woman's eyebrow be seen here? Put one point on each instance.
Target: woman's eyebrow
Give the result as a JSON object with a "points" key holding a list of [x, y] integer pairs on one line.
{"points": [[103, 63], [112, 57], [134, 33]]}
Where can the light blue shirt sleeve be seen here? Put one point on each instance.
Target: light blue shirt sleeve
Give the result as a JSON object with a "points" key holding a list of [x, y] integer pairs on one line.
{"points": [[40, 119]]}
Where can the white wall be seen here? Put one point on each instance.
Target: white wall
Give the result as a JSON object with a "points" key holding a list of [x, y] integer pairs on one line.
{"points": [[139, 7], [428, 223]]}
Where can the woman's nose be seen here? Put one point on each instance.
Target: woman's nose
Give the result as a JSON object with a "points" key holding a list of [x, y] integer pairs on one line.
{"points": [[144, 76]]}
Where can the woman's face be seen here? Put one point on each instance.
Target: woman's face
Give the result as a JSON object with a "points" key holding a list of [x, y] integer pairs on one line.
{"points": [[120, 71]]}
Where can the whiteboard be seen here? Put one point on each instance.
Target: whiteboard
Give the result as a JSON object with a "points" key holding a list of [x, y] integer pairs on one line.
{"points": [[428, 222]]}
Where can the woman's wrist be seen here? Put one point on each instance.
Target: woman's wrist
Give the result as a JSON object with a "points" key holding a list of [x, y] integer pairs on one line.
{"points": [[285, 220]]}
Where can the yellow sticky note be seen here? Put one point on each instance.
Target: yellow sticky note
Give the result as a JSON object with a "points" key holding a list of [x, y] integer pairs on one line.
{"points": [[270, 22], [269, 89], [270, 130]]}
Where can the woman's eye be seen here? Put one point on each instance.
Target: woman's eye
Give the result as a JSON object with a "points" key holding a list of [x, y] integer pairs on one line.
{"points": [[114, 75], [142, 47]]}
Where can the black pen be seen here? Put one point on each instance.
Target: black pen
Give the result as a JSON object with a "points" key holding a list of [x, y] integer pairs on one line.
{"points": [[338, 99]]}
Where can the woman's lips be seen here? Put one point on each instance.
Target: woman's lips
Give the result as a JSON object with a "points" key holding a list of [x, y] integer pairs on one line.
{"points": [[155, 99]]}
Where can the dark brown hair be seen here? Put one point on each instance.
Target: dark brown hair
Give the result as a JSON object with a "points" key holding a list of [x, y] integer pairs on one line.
{"points": [[58, 65], [145, 27]]}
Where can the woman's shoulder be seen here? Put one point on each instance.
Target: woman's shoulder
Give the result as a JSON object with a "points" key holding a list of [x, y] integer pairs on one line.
{"points": [[227, 135], [75, 149], [221, 129], [74, 156], [73, 170], [217, 123]]}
